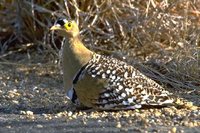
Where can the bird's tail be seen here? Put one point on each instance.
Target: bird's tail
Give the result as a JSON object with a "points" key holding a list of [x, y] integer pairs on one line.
{"points": [[183, 103]]}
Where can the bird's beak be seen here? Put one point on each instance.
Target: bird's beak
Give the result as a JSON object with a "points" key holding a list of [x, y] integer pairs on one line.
{"points": [[55, 27]]}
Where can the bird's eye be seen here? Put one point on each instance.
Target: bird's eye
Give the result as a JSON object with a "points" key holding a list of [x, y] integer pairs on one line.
{"points": [[69, 25]]}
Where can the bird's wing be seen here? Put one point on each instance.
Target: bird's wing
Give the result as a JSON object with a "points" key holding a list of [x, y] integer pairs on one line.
{"points": [[123, 87]]}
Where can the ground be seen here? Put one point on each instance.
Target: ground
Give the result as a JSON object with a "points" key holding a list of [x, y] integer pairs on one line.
{"points": [[33, 100]]}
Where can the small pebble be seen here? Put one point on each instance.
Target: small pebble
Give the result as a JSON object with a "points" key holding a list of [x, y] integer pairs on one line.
{"points": [[70, 113], [173, 130], [40, 126], [118, 125], [29, 112]]}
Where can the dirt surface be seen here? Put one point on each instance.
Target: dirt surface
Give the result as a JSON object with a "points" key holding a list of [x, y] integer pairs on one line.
{"points": [[32, 99]]}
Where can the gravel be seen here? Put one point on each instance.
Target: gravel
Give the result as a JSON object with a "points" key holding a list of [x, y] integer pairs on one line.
{"points": [[32, 99]]}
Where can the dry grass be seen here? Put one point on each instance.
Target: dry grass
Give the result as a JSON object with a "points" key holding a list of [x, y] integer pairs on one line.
{"points": [[161, 34]]}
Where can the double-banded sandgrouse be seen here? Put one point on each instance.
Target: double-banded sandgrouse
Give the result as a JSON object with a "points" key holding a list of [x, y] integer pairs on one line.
{"points": [[102, 82]]}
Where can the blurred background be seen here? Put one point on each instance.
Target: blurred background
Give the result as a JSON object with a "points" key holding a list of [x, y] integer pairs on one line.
{"points": [[159, 37]]}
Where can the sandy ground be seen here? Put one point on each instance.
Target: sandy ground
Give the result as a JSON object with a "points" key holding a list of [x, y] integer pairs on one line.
{"points": [[32, 99]]}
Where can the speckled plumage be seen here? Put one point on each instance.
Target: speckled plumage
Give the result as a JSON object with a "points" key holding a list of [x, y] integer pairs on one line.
{"points": [[125, 87]]}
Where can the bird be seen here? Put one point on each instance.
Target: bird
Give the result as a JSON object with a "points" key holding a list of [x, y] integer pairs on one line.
{"points": [[102, 82]]}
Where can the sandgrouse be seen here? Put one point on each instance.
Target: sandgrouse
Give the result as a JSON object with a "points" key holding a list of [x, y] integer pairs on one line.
{"points": [[102, 82]]}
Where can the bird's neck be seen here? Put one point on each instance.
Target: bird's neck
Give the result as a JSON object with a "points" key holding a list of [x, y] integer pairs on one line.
{"points": [[78, 52], [75, 56]]}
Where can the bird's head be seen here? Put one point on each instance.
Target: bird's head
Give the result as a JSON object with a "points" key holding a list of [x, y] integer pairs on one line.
{"points": [[66, 27]]}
